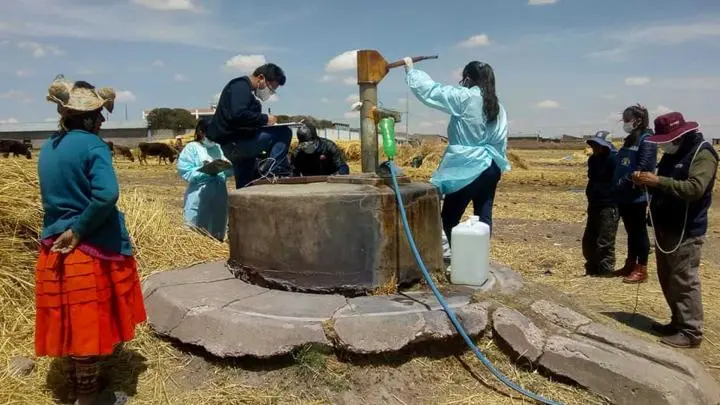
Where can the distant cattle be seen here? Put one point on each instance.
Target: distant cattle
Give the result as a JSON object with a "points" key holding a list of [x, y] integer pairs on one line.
{"points": [[125, 151], [17, 148], [162, 150]]}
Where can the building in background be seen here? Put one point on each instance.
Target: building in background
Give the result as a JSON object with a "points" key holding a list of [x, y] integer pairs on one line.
{"points": [[196, 112]]}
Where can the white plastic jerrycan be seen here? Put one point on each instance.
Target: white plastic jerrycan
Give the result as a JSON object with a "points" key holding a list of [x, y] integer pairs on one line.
{"points": [[470, 255]]}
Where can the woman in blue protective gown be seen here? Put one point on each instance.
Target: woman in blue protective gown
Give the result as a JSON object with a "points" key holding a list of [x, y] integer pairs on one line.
{"points": [[206, 196], [476, 155]]}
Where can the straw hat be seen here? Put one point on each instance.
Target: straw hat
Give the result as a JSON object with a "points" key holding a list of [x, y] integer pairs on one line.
{"points": [[71, 99]]}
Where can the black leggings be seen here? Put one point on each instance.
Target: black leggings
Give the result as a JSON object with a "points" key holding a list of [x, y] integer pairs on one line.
{"points": [[634, 217], [481, 192]]}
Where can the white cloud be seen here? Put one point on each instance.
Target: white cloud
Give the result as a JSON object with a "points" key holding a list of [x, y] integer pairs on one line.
{"points": [[179, 77], [39, 50], [614, 117], [158, 63], [670, 34], [85, 72], [656, 34], [433, 124], [548, 104], [52, 119], [457, 74], [609, 96], [325, 100], [352, 98], [345, 61], [352, 114], [541, 2], [327, 79], [125, 96], [696, 83], [637, 81], [661, 109], [245, 63], [610, 55], [9, 121], [475, 41], [167, 5], [216, 97], [127, 22], [350, 81], [23, 73], [16, 95], [274, 98]]}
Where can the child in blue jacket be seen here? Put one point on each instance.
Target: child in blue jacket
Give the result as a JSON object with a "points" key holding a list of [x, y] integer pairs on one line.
{"points": [[598, 242]]}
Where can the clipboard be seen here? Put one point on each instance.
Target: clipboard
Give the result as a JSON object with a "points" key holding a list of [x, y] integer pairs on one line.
{"points": [[215, 167], [285, 124]]}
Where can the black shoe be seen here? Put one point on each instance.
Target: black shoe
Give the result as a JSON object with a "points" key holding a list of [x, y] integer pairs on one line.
{"points": [[664, 330], [681, 341]]}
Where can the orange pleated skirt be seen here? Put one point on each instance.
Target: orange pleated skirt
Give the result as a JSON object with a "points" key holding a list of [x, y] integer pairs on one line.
{"points": [[85, 306]]}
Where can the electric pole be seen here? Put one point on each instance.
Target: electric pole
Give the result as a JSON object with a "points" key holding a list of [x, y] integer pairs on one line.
{"points": [[407, 115]]}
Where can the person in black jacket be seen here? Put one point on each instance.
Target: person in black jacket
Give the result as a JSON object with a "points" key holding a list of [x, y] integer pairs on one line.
{"points": [[598, 242], [245, 133], [316, 156]]}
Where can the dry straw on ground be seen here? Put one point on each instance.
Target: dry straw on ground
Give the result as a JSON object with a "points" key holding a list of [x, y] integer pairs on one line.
{"points": [[155, 371]]}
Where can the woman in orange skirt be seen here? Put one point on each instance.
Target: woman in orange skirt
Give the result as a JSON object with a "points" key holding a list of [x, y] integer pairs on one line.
{"points": [[88, 295]]}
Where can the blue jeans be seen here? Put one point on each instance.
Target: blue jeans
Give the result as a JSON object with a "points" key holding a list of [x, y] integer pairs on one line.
{"points": [[270, 144], [481, 192]]}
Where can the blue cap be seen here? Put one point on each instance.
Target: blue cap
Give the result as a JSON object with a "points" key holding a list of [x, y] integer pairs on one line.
{"points": [[602, 138]]}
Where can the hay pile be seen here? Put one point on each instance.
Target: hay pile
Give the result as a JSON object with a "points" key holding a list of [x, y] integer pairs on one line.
{"points": [[151, 368], [161, 242], [431, 154]]}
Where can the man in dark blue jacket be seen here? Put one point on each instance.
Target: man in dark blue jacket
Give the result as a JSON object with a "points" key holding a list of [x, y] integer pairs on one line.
{"points": [[682, 193], [245, 133], [598, 243]]}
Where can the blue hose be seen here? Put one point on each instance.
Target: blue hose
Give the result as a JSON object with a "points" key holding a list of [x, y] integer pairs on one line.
{"points": [[450, 313]]}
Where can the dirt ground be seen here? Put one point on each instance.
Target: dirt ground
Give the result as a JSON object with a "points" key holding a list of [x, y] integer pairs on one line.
{"points": [[539, 219], [539, 216]]}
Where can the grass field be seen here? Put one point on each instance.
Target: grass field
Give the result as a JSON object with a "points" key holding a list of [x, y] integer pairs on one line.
{"points": [[539, 213]]}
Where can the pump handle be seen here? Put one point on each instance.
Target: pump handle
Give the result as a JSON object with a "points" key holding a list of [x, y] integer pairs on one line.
{"points": [[415, 59]]}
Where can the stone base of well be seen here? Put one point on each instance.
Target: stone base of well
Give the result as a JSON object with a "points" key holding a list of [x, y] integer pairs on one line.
{"points": [[341, 235], [206, 306]]}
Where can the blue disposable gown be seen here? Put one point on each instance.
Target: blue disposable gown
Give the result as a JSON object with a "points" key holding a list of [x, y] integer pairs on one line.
{"points": [[472, 144], [206, 196]]}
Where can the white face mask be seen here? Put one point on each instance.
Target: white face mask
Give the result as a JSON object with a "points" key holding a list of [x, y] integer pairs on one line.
{"points": [[208, 143], [264, 94], [670, 148], [628, 127]]}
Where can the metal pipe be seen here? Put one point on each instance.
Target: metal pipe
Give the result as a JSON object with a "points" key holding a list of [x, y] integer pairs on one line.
{"points": [[368, 132]]}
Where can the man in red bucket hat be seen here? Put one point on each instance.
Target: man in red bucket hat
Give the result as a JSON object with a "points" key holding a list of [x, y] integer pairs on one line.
{"points": [[681, 197]]}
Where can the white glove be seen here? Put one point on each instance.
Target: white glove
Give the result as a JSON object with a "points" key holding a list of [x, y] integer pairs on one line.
{"points": [[408, 63], [357, 106]]}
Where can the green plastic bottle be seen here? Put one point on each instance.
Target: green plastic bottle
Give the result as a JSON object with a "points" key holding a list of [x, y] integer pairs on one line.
{"points": [[387, 131]]}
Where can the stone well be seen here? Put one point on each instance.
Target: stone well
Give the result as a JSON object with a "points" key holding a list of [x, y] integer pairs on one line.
{"points": [[337, 234]]}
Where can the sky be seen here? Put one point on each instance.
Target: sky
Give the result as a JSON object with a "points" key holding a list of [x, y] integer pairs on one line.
{"points": [[562, 66]]}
